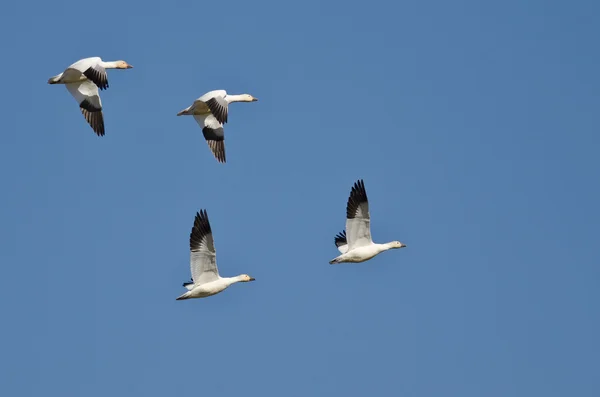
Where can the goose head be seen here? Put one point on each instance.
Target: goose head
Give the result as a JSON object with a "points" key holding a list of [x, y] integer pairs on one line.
{"points": [[247, 98], [397, 244], [244, 278], [122, 65]]}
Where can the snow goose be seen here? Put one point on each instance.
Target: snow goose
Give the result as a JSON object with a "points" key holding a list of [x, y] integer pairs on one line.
{"points": [[83, 79], [358, 246], [203, 263], [210, 111]]}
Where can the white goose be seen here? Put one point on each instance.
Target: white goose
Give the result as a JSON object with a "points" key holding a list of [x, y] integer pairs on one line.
{"points": [[210, 112], [82, 79], [358, 246], [203, 263]]}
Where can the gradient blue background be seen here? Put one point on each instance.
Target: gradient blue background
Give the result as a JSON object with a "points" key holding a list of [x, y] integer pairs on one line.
{"points": [[474, 125]]}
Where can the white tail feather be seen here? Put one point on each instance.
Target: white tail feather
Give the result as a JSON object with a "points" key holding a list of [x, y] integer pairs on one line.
{"points": [[184, 296]]}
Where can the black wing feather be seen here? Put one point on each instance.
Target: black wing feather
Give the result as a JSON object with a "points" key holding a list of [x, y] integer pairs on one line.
{"points": [[217, 110], [216, 142], [358, 195], [97, 76], [340, 239], [200, 230], [94, 118]]}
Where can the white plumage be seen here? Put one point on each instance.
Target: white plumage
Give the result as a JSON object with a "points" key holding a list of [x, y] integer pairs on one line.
{"points": [[211, 111], [83, 79], [206, 280], [355, 243]]}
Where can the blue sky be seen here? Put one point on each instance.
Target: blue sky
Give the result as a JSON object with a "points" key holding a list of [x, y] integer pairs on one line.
{"points": [[474, 125]]}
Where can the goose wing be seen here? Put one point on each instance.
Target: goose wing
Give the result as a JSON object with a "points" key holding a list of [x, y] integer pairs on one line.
{"points": [[214, 134], [341, 243], [218, 107], [358, 220], [91, 68], [86, 94], [97, 74], [203, 257], [216, 103]]}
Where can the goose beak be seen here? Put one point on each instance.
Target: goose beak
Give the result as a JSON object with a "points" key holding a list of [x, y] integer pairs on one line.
{"points": [[254, 99], [252, 279], [129, 66], [402, 245]]}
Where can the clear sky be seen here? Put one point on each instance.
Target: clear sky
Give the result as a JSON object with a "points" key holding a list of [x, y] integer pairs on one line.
{"points": [[473, 123]]}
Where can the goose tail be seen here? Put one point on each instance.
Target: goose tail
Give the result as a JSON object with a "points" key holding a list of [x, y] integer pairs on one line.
{"points": [[184, 296], [334, 260]]}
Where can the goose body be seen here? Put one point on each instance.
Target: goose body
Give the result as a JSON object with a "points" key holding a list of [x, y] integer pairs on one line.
{"points": [[206, 280], [208, 289], [211, 111], [357, 245], [83, 79]]}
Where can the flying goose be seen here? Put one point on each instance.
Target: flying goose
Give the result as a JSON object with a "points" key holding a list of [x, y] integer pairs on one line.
{"points": [[203, 263], [211, 111], [357, 246], [82, 79]]}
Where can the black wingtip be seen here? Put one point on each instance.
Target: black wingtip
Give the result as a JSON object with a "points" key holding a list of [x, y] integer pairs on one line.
{"points": [[201, 218], [95, 119], [340, 239], [97, 77], [358, 195], [200, 229], [359, 186], [217, 110], [215, 138]]}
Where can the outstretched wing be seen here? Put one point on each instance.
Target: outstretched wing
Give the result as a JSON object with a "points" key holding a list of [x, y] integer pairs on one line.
{"points": [[341, 243], [214, 134], [203, 258], [97, 74], [86, 94], [218, 107], [358, 221]]}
